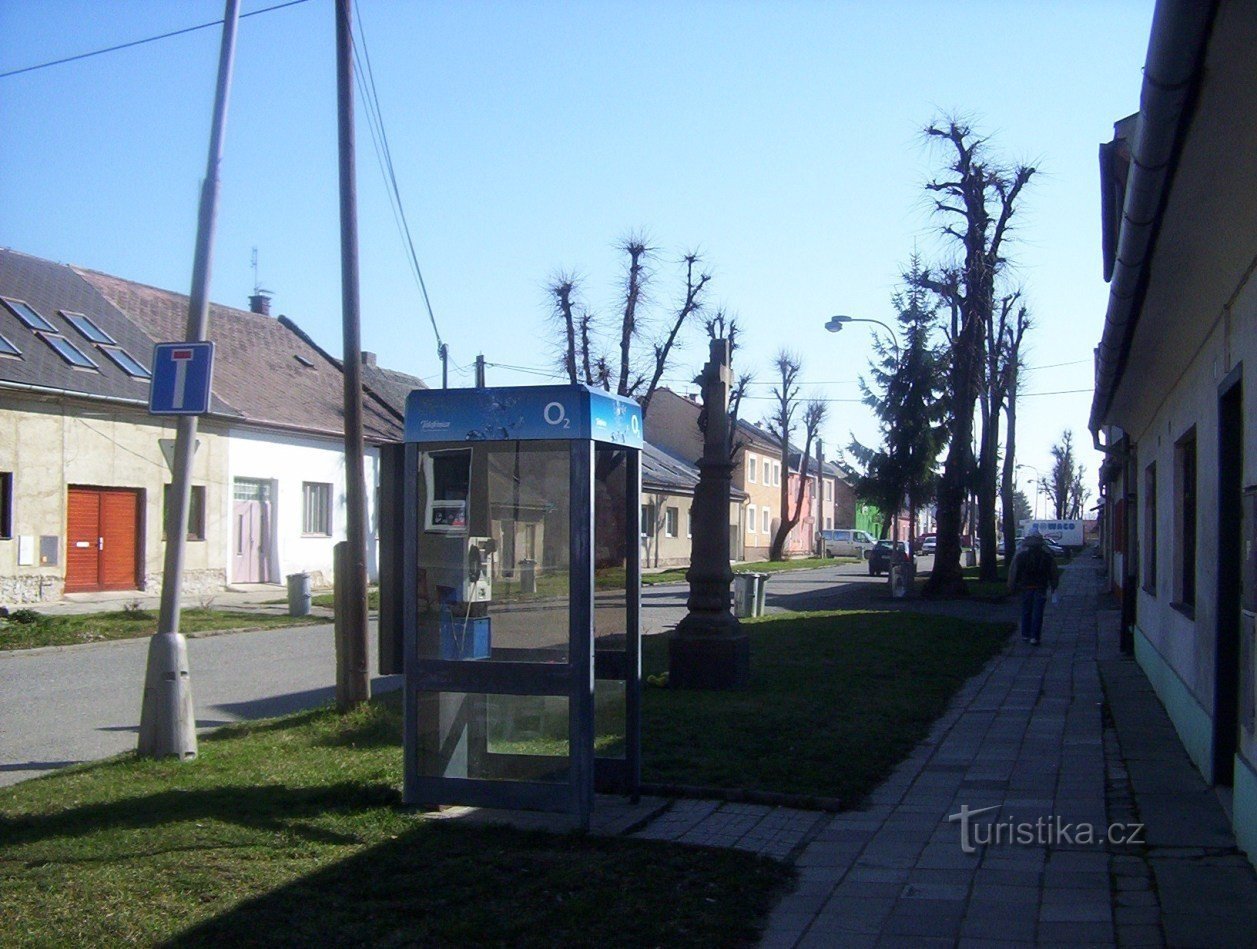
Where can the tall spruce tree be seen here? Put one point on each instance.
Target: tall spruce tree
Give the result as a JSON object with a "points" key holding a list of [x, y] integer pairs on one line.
{"points": [[905, 389]]}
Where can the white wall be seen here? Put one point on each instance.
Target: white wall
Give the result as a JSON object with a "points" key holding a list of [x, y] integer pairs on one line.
{"points": [[287, 461]]}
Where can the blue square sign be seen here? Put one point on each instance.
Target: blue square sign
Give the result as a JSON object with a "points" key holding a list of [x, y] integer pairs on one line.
{"points": [[182, 373]]}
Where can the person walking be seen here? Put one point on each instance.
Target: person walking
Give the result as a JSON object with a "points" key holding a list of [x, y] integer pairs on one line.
{"points": [[1032, 573]]}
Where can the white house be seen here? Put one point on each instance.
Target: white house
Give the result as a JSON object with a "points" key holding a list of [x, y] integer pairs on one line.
{"points": [[83, 466], [1175, 387]]}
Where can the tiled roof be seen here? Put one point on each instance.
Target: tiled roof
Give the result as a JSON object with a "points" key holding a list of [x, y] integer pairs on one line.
{"points": [[50, 288], [272, 375], [390, 385], [662, 470]]}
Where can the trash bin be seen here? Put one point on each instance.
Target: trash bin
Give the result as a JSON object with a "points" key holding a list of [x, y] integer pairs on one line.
{"points": [[298, 594], [748, 594], [744, 594], [528, 576], [970, 557], [902, 578]]}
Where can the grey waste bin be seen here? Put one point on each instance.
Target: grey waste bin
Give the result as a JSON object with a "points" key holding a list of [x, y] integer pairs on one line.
{"points": [[902, 577], [748, 594], [970, 557], [298, 594], [761, 583], [743, 594], [528, 576]]}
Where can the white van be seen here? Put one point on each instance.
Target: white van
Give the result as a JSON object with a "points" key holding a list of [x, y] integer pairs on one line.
{"points": [[847, 543]]}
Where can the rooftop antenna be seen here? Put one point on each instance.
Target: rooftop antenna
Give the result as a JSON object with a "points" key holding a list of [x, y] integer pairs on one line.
{"points": [[260, 299]]}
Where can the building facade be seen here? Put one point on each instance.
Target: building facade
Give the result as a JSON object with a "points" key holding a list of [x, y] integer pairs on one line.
{"points": [[1175, 389]]}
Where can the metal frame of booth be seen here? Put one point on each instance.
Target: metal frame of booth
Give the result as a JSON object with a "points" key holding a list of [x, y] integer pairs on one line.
{"points": [[462, 694]]}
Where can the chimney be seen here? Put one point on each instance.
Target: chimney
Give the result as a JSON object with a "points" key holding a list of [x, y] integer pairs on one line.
{"points": [[260, 302], [368, 359]]}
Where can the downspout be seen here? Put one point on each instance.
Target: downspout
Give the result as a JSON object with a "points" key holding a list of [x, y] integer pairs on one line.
{"points": [[1176, 49]]}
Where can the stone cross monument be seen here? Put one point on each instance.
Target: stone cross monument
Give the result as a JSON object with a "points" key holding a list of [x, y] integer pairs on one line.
{"points": [[708, 649]]}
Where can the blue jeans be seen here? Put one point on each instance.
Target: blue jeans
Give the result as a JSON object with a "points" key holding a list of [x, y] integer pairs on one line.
{"points": [[1032, 603]]}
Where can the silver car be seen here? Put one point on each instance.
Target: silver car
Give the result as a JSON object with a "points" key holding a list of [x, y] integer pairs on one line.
{"points": [[847, 543]]}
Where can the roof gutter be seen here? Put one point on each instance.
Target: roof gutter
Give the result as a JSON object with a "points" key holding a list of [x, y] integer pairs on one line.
{"points": [[1176, 49]]}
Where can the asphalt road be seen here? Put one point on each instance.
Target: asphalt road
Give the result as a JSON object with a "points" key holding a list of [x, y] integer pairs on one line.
{"points": [[64, 705]]}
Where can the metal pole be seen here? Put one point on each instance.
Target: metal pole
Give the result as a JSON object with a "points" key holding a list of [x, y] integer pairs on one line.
{"points": [[444, 352], [480, 371], [357, 687], [167, 717]]}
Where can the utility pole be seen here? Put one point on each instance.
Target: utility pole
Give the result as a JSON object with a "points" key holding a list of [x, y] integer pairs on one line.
{"points": [[353, 681], [444, 352], [480, 371], [167, 715]]}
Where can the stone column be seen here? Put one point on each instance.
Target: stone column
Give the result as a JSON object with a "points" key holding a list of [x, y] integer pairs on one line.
{"points": [[708, 649]]}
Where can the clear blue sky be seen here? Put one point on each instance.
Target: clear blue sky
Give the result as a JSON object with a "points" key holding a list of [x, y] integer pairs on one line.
{"points": [[780, 139]]}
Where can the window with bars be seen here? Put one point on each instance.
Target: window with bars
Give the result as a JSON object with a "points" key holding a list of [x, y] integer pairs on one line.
{"points": [[1150, 529], [6, 505], [196, 512], [1185, 516], [316, 508]]}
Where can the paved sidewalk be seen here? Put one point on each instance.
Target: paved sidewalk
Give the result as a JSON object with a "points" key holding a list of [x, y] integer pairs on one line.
{"points": [[1032, 739]]}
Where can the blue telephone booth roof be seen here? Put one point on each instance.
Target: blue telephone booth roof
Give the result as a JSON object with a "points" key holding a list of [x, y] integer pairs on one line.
{"points": [[530, 413]]}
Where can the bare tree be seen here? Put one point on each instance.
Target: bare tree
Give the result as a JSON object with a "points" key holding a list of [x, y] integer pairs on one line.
{"points": [[581, 330], [1012, 369], [976, 200], [781, 424], [1003, 344], [1066, 489]]}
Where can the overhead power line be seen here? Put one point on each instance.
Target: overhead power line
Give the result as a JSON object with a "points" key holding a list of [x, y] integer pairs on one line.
{"points": [[147, 39], [365, 78]]}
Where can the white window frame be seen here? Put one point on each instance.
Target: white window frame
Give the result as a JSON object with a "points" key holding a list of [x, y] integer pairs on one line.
{"points": [[671, 521], [767, 521], [752, 468], [689, 522], [750, 520], [316, 522]]}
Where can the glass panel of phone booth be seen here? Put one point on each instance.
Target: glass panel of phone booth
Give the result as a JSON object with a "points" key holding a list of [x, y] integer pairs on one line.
{"points": [[611, 562], [494, 553], [493, 559]]}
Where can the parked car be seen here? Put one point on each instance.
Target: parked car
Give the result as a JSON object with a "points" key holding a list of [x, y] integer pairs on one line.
{"points": [[921, 540], [847, 543], [888, 552]]}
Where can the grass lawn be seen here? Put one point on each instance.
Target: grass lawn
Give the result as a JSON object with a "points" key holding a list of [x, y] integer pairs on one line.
{"points": [[287, 832], [25, 629], [762, 566], [837, 699], [987, 589]]}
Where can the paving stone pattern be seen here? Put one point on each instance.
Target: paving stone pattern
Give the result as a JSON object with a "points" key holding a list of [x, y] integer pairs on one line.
{"points": [[1033, 738]]}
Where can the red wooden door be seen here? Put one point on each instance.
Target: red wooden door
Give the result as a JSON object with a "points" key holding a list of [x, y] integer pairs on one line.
{"points": [[103, 526], [82, 560]]}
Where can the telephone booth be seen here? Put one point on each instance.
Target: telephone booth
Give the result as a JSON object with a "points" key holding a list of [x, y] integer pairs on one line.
{"points": [[516, 594]]}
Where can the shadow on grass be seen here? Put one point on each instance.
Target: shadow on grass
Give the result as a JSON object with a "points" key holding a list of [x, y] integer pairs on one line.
{"points": [[270, 808], [444, 884]]}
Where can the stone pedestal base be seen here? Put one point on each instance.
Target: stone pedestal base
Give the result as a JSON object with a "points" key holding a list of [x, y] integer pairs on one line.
{"points": [[709, 662]]}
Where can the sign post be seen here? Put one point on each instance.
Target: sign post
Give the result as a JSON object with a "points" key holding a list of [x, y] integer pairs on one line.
{"points": [[181, 377]]}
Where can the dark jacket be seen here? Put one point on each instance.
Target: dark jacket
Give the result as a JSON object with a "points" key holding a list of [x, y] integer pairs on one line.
{"points": [[1033, 567]]}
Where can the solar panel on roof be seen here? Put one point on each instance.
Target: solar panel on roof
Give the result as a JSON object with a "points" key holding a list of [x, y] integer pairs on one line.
{"points": [[68, 351], [26, 313], [89, 329], [126, 362]]}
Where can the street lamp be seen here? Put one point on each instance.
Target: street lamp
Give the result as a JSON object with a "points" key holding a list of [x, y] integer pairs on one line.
{"points": [[836, 323], [1039, 487]]}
